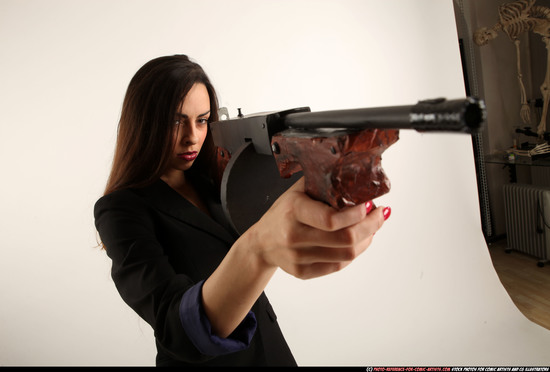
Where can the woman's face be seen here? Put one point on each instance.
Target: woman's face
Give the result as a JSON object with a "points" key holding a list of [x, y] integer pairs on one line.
{"points": [[190, 128]]}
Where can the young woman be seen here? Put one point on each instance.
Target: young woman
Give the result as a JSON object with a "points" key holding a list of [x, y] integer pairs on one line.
{"points": [[175, 261]]}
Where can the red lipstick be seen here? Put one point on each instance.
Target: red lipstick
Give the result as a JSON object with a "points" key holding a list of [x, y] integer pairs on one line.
{"points": [[189, 156]]}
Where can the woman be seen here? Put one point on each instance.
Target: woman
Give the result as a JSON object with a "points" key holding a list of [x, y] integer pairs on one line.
{"points": [[174, 259]]}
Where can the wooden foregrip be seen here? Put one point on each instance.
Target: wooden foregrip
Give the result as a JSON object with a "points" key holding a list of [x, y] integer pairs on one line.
{"points": [[340, 168]]}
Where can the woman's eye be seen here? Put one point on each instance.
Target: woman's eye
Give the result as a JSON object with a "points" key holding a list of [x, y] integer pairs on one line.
{"points": [[203, 121], [177, 122]]}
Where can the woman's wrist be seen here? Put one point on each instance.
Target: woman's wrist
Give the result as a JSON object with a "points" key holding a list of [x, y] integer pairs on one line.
{"points": [[256, 248]]}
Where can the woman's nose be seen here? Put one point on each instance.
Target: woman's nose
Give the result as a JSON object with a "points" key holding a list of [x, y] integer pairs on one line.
{"points": [[190, 135]]}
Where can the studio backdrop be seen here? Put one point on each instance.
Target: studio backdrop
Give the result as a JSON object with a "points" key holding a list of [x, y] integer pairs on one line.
{"points": [[424, 293]]}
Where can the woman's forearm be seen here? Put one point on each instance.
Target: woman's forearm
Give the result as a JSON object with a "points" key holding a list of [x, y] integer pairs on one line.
{"points": [[229, 293]]}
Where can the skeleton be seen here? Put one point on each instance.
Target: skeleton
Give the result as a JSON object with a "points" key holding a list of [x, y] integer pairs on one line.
{"points": [[516, 18]]}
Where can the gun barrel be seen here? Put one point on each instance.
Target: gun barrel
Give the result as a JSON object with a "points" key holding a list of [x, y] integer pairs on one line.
{"points": [[459, 115]]}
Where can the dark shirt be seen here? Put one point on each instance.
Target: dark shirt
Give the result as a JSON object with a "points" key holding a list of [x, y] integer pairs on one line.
{"points": [[198, 328]]}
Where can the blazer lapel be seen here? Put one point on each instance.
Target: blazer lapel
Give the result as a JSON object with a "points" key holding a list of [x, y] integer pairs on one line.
{"points": [[166, 199]]}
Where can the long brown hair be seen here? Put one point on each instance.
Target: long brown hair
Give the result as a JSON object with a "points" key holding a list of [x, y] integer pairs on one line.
{"points": [[145, 130]]}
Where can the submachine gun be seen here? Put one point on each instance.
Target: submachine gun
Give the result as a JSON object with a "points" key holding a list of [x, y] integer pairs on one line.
{"points": [[338, 152]]}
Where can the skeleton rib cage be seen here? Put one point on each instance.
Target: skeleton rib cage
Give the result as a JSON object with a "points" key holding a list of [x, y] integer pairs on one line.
{"points": [[516, 18]]}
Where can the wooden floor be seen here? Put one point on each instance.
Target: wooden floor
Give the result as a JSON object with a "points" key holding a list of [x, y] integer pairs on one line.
{"points": [[527, 284]]}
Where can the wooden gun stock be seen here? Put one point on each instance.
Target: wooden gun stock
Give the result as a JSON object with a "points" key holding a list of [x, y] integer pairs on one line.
{"points": [[341, 169]]}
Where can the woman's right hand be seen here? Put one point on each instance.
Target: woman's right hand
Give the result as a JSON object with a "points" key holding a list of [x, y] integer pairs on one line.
{"points": [[308, 239]]}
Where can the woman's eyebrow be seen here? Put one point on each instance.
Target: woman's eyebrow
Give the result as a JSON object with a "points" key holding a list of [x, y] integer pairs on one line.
{"points": [[186, 117]]}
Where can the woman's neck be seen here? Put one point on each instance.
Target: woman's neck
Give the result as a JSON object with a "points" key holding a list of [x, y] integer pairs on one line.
{"points": [[175, 180], [178, 182]]}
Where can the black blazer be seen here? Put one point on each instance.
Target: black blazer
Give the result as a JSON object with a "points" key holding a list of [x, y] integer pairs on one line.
{"points": [[161, 245]]}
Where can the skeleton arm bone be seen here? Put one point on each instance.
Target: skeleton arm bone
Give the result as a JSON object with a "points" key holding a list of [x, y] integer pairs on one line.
{"points": [[525, 111]]}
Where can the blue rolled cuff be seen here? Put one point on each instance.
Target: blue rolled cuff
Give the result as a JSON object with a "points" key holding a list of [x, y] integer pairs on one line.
{"points": [[199, 330]]}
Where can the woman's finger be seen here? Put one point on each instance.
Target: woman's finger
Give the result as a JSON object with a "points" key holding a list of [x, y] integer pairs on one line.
{"points": [[307, 235]]}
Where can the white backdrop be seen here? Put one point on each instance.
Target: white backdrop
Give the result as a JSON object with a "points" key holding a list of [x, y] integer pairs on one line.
{"points": [[425, 293]]}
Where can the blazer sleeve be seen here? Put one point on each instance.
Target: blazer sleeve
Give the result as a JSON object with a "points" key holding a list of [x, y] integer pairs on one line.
{"points": [[142, 272]]}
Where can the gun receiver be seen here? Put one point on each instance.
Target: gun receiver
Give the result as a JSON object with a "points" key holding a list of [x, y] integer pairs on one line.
{"points": [[338, 152]]}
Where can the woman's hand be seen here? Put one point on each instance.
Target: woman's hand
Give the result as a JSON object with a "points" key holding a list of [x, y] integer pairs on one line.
{"points": [[308, 239], [304, 237]]}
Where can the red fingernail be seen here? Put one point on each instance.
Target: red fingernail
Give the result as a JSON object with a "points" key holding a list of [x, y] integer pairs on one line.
{"points": [[369, 205], [387, 213]]}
